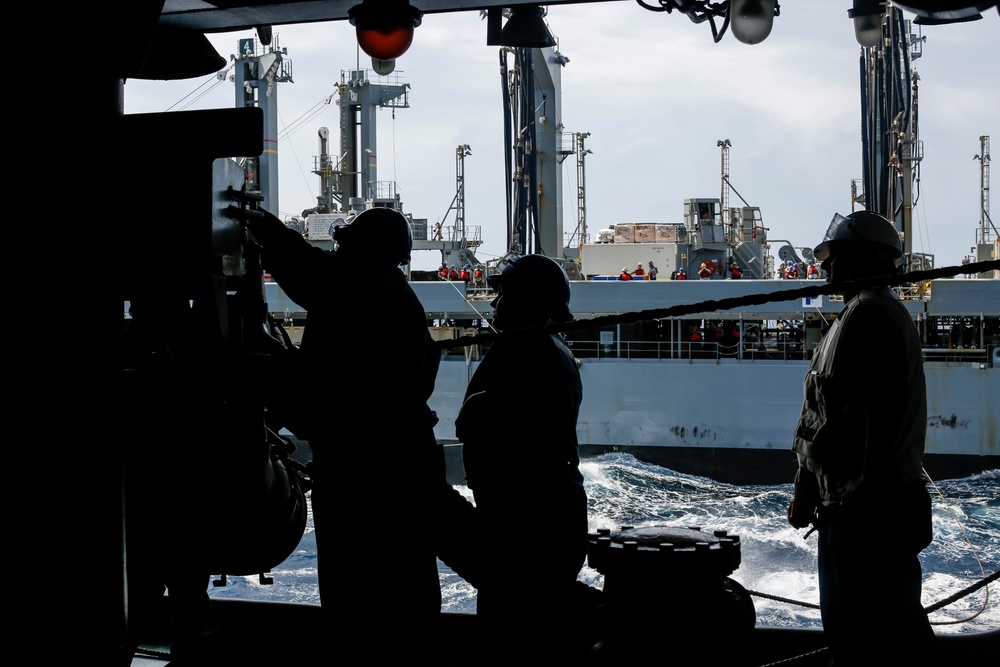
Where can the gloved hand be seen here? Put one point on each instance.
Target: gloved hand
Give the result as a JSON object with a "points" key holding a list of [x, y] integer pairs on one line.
{"points": [[801, 514]]}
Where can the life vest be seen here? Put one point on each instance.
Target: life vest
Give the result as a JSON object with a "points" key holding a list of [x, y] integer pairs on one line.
{"points": [[736, 271], [705, 271], [681, 275], [695, 336], [464, 275], [624, 276]]}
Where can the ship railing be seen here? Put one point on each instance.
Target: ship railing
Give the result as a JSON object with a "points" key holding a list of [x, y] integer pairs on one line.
{"points": [[689, 350], [955, 356]]}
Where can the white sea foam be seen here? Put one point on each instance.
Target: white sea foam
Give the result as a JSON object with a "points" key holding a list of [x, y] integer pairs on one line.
{"points": [[776, 561]]}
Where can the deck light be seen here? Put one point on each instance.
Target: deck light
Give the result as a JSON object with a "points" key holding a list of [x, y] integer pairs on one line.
{"points": [[751, 20], [867, 15], [384, 27]]}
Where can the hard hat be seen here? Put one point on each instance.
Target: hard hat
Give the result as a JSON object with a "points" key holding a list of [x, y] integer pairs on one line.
{"points": [[624, 269], [539, 281], [860, 227], [379, 233]]}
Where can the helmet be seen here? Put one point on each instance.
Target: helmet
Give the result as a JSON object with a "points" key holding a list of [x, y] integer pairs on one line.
{"points": [[377, 232], [624, 269], [860, 227], [538, 280]]}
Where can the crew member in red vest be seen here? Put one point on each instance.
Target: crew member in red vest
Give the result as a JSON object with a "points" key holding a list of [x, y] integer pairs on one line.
{"points": [[735, 271], [639, 271], [705, 271], [625, 275], [681, 274]]}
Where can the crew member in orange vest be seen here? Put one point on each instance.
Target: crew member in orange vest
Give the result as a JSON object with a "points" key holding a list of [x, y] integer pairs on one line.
{"points": [[625, 275]]}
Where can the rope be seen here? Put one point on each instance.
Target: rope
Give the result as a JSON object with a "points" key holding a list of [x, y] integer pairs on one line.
{"points": [[962, 593], [930, 609], [975, 555], [679, 310], [778, 598]]}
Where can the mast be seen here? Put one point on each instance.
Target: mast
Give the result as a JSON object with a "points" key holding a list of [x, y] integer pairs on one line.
{"points": [[581, 187], [532, 123], [256, 75], [460, 154], [359, 100], [725, 145], [985, 224], [987, 241]]}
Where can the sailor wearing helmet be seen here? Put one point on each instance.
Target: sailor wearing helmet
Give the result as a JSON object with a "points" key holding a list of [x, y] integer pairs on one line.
{"points": [[860, 445], [354, 419], [525, 396]]}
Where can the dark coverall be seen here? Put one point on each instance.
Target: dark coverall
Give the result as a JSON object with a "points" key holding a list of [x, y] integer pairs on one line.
{"points": [[362, 382], [518, 429], [860, 443]]}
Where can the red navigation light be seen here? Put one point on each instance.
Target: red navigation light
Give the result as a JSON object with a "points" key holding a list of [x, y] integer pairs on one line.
{"points": [[385, 28]]}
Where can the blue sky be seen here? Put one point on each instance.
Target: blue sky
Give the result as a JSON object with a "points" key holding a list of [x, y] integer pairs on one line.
{"points": [[656, 94]]}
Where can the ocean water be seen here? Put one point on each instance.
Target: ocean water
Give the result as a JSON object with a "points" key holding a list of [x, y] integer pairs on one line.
{"points": [[776, 560]]}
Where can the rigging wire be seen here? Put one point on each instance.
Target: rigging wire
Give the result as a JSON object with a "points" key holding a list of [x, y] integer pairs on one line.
{"points": [[306, 117], [298, 162], [217, 78]]}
